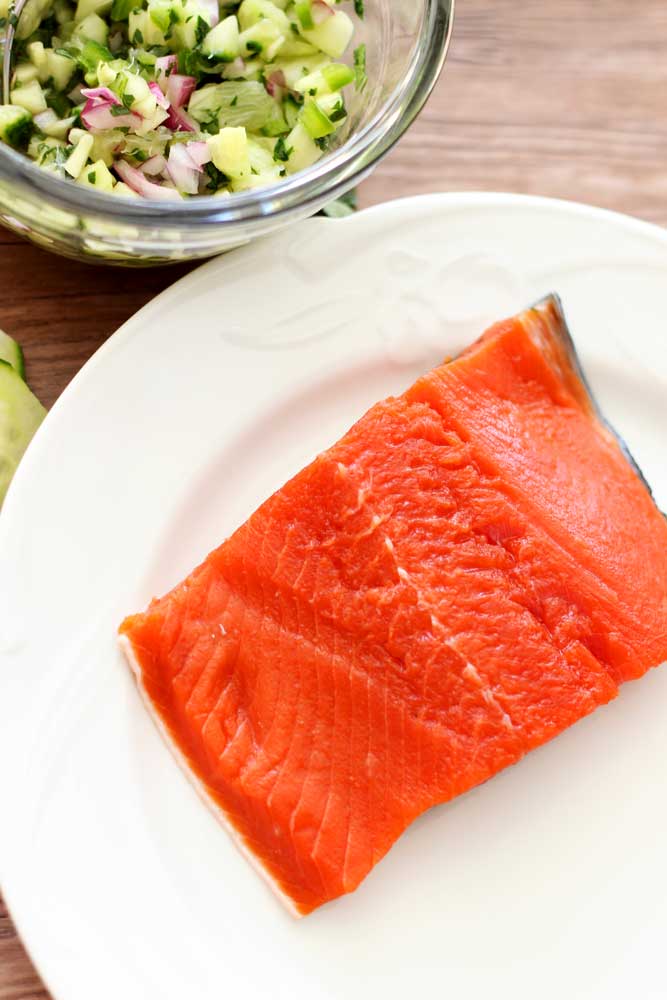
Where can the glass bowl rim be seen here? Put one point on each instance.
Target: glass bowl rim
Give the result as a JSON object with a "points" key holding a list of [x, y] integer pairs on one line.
{"points": [[327, 179]]}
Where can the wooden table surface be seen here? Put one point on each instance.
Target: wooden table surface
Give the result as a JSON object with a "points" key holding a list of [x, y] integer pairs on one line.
{"points": [[553, 97]]}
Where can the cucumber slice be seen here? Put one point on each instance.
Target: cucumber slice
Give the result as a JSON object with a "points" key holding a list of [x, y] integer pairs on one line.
{"points": [[11, 353], [15, 125], [20, 416]]}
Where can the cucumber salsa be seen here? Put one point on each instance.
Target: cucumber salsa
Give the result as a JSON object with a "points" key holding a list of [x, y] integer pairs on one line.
{"points": [[166, 99]]}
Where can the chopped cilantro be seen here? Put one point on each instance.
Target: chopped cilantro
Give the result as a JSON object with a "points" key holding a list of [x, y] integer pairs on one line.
{"points": [[216, 177], [138, 37], [92, 176], [281, 153], [234, 101], [338, 112], [360, 77], [254, 46], [201, 30], [359, 8]]}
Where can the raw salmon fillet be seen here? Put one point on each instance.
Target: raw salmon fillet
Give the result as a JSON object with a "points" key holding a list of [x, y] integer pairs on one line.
{"points": [[474, 567]]}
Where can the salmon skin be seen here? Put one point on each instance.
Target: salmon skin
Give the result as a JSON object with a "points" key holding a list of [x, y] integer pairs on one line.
{"points": [[476, 565]]}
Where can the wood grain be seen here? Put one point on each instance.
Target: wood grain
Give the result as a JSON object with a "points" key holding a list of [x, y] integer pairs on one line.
{"points": [[556, 98]]}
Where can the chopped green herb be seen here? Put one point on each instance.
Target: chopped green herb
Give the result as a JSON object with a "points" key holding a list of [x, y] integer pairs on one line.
{"points": [[360, 77], [201, 30], [216, 177], [359, 8], [281, 153], [92, 176]]}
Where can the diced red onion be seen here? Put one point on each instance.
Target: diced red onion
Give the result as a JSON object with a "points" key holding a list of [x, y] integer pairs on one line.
{"points": [[100, 117], [234, 69], [321, 11], [99, 95], [212, 9], [199, 153], [182, 170], [164, 67], [158, 95], [154, 166], [179, 89], [138, 182], [276, 84], [179, 121]]}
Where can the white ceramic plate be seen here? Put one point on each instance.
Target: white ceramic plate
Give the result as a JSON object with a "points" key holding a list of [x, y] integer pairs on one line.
{"points": [[550, 881]]}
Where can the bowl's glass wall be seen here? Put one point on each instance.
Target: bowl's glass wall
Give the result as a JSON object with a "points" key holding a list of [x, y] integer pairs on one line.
{"points": [[405, 42]]}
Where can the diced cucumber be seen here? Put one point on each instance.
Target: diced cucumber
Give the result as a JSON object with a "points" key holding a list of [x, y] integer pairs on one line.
{"points": [[295, 69], [332, 35], [222, 42], [264, 37], [297, 48], [124, 191], [229, 151], [59, 129], [338, 75], [142, 29], [11, 353], [31, 97], [315, 120], [105, 145], [313, 84], [97, 175], [304, 151], [20, 416], [24, 73], [253, 11], [86, 7], [304, 11], [47, 151], [78, 159], [36, 54], [92, 27], [31, 16], [59, 68]]}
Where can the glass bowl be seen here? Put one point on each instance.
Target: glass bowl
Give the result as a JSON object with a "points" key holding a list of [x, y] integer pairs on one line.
{"points": [[406, 42]]}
